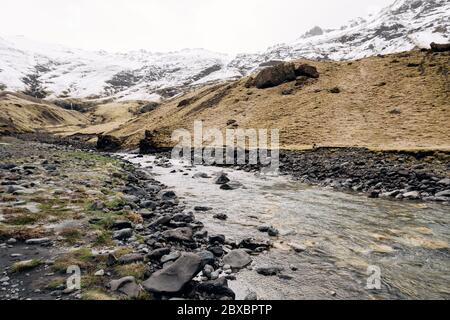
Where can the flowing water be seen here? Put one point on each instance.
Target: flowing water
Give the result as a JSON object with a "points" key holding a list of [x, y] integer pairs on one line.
{"points": [[342, 238]]}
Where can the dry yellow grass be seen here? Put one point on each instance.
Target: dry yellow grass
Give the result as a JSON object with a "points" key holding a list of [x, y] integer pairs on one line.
{"points": [[399, 101], [20, 113]]}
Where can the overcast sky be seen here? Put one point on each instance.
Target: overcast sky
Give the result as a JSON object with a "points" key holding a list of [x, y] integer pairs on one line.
{"points": [[230, 26]]}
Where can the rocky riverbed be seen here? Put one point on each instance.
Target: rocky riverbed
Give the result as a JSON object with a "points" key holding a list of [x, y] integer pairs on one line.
{"points": [[130, 236], [414, 175]]}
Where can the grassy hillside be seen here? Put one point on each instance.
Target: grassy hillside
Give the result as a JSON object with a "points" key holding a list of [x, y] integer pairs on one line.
{"points": [[399, 101], [23, 114]]}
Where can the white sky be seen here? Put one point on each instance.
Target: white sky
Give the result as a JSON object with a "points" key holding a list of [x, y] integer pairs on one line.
{"points": [[230, 26]]}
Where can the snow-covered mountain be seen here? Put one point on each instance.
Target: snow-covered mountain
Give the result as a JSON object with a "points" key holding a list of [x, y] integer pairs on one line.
{"points": [[402, 26], [57, 71]]}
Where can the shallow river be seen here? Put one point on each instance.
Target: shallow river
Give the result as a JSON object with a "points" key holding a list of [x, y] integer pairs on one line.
{"points": [[343, 235]]}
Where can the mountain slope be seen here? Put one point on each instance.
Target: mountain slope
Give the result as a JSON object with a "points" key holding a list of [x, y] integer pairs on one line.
{"points": [[399, 101], [55, 71], [23, 114], [402, 26]]}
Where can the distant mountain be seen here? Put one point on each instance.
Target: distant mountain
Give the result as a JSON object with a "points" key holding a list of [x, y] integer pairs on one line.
{"points": [[54, 71]]}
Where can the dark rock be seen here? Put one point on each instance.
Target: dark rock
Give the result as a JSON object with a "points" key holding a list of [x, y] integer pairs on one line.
{"points": [[127, 286], [220, 216], [207, 257], [123, 234], [287, 92], [436, 47], [219, 238], [226, 186], [253, 244], [148, 144], [218, 287], [202, 209], [149, 204], [108, 143], [131, 258], [237, 259], [173, 278], [274, 76], [269, 271], [161, 221], [222, 179], [273, 232], [445, 193], [167, 195], [307, 70], [170, 257], [111, 260], [335, 90], [158, 253], [178, 234], [216, 250], [121, 224]]}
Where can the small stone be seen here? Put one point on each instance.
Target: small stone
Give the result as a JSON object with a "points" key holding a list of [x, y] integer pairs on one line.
{"points": [[202, 209], [11, 241], [123, 234], [219, 238], [220, 216], [273, 232], [251, 296], [269, 271]]}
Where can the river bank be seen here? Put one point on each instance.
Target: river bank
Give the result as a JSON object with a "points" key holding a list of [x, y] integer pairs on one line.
{"points": [[128, 233]]}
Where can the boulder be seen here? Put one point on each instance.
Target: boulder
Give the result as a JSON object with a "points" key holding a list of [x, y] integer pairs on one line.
{"points": [[173, 278], [307, 71], [148, 144], [237, 259], [127, 286], [274, 76], [108, 143], [207, 257], [437, 47]]}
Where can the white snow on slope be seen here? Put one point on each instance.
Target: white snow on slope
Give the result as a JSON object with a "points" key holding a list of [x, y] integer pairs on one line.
{"points": [[67, 72]]}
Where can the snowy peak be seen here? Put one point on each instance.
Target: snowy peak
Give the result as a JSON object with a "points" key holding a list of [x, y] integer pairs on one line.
{"points": [[56, 71]]}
